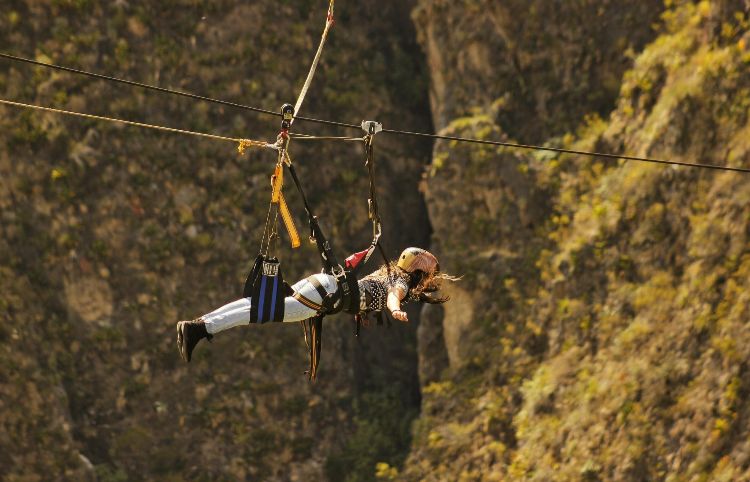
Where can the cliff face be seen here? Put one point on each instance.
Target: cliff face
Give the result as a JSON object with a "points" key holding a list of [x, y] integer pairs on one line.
{"points": [[600, 330], [536, 67], [110, 235]]}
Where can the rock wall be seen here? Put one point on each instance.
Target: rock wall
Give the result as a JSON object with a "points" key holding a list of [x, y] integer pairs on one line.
{"points": [[599, 330], [111, 234], [606, 340]]}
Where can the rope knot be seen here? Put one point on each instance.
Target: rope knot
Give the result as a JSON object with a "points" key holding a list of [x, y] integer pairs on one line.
{"points": [[244, 144]]}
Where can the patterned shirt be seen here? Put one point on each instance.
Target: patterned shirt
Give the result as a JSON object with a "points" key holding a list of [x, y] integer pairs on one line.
{"points": [[373, 289]]}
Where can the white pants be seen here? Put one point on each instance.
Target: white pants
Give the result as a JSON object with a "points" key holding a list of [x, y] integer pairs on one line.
{"points": [[237, 312]]}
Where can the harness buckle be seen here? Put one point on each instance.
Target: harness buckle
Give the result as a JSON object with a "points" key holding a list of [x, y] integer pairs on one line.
{"points": [[338, 272]]}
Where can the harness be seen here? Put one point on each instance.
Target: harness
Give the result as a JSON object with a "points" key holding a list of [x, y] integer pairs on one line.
{"points": [[265, 284], [347, 296]]}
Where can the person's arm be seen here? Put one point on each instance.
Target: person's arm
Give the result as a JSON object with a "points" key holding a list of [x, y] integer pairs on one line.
{"points": [[395, 295]]}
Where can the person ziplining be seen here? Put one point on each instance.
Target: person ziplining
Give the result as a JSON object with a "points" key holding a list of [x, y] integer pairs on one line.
{"points": [[415, 276]]}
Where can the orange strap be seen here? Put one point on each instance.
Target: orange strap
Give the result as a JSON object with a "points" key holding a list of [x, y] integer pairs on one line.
{"points": [[289, 222], [277, 196]]}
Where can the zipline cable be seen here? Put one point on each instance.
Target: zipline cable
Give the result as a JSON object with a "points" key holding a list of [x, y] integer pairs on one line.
{"points": [[171, 91], [136, 84], [242, 142], [306, 137], [567, 151], [387, 131]]}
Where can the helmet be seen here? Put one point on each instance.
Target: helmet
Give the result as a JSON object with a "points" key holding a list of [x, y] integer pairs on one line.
{"points": [[413, 259]]}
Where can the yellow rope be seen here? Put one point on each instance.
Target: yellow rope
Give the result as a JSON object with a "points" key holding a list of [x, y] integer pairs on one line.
{"points": [[243, 143]]}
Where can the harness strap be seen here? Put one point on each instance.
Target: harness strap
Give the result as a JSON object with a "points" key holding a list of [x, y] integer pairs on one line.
{"points": [[372, 202], [286, 216], [350, 301], [330, 264], [358, 260], [312, 329], [319, 288], [328, 299], [277, 197], [348, 290], [307, 301], [316, 330]]}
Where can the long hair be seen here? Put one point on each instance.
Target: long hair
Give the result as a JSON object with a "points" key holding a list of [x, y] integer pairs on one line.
{"points": [[422, 285]]}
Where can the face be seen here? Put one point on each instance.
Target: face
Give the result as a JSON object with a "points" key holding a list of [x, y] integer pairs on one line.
{"points": [[416, 277]]}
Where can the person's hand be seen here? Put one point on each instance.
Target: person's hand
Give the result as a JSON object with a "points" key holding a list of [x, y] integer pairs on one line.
{"points": [[400, 315]]}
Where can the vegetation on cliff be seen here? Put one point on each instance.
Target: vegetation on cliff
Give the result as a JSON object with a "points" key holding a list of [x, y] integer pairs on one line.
{"points": [[600, 328], [110, 235], [611, 340]]}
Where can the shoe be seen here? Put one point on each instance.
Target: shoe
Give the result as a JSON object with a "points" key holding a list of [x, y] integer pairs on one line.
{"points": [[189, 333]]}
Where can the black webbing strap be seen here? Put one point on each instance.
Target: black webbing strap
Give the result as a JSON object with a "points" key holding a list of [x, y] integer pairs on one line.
{"points": [[350, 294], [318, 287], [370, 164], [313, 329], [372, 202], [316, 330], [324, 248], [315, 326], [324, 295]]}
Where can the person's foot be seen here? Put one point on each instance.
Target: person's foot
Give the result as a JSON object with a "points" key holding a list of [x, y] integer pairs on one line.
{"points": [[189, 333]]}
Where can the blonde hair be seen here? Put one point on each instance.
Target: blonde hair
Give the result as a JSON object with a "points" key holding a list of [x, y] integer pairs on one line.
{"points": [[430, 282]]}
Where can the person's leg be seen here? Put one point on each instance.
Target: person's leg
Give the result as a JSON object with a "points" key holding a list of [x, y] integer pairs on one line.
{"points": [[230, 307], [237, 313], [294, 310], [189, 333], [228, 316]]}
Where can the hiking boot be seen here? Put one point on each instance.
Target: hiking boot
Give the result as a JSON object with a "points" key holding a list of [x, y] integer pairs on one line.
{"points": [[189, 333]]}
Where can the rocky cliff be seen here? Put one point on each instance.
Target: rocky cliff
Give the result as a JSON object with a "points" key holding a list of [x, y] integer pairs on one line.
{"points": [[111, 234], [600, 330]]}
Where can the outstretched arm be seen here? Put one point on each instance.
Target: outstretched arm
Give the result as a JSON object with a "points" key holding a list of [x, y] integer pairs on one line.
{"points": [[395, 295]]}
